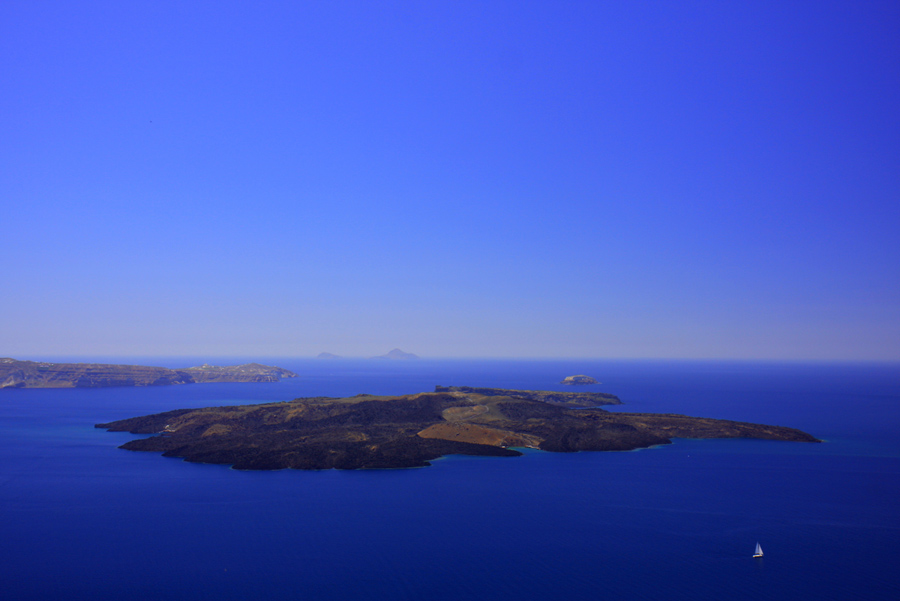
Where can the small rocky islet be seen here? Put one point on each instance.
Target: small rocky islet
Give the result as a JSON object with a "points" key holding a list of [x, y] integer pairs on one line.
{"points": [[578, 380], [368, 431]]}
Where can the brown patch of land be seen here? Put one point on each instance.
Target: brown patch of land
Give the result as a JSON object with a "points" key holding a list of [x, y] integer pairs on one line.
{"points": [[475, 434]]}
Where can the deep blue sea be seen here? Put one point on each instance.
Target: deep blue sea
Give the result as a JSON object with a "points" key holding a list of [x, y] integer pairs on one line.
{"points": [[82, 519]]}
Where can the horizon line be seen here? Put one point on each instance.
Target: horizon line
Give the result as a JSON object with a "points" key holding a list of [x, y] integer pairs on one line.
{"points": [[69, 358]]}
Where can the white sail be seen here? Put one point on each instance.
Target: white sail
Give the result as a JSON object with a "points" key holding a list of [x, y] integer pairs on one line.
{"points": [[758, 552]]}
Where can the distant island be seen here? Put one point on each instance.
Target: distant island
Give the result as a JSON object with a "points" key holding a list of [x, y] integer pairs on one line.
{"points": [[368, 431], [397, 354], [41, 374], [576, 380], [328, 356]]}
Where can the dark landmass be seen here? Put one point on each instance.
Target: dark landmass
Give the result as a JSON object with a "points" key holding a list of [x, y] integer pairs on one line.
{"points": [[397, 354], [328, 356], [565, 399], [38, 374], [576, 380], [409, 431]]}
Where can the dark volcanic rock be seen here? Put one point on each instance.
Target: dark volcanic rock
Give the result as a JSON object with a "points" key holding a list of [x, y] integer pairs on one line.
{"points": [[409, 431], [568, 399]]}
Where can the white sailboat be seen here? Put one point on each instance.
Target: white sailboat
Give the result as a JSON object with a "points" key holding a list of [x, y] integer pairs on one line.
{"points": [[758, 552]]}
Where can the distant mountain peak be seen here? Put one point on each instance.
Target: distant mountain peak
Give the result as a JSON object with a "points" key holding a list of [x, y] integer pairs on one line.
{"points": [[397, 354], [328, 356]]}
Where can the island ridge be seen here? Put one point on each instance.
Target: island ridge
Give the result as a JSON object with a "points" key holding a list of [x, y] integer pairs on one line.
{"points": [[42, 374]]}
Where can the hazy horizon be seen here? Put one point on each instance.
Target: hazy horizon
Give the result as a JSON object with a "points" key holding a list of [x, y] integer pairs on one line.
{"points": [[459, 180], [269, 359]]}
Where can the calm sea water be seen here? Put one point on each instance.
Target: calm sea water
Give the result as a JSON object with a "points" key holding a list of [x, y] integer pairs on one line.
{"points": [[82, 519]]}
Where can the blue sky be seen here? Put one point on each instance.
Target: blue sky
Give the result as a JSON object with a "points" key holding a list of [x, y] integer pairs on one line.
{"points": [[459, 179]]}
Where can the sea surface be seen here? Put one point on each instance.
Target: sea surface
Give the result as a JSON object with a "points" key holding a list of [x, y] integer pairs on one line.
{"points": [[82, 519]]}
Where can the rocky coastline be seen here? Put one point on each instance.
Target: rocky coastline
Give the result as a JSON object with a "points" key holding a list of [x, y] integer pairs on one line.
{"points": [[42, 374]]}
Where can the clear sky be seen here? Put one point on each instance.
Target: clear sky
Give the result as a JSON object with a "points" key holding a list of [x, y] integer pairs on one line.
{"points": [[485, 179]]}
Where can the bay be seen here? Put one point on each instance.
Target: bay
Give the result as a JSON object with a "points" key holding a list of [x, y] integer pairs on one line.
{"points": [[83, 519]]}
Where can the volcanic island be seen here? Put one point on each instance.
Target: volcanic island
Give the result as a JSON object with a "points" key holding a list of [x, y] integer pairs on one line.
{"points": [[366, 431]]}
